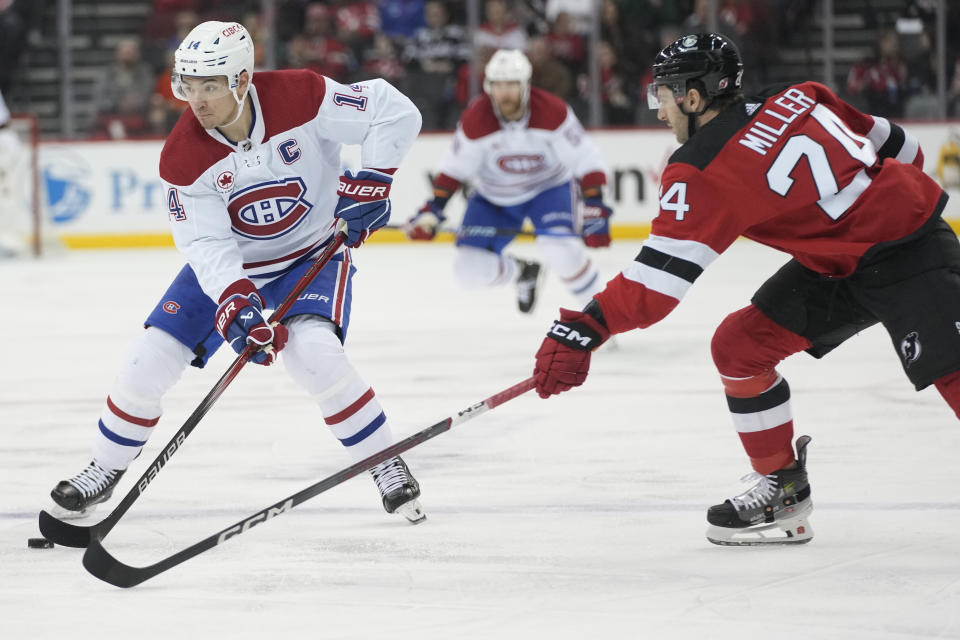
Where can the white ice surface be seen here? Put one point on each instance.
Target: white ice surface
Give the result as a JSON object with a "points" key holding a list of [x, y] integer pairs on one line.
{"points": [[577, 517]]}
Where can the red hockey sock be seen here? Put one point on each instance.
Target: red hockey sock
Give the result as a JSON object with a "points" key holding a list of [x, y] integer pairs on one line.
{"points": [[746, 349], [760, 407]]}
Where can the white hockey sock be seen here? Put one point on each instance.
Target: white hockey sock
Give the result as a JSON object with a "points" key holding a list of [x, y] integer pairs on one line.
{"points": [[475, 268], [315, 360], [569, 260], [152, 365]]}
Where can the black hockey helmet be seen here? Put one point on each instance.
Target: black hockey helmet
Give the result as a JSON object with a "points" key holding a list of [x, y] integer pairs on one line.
{"points": [[709, 57]]}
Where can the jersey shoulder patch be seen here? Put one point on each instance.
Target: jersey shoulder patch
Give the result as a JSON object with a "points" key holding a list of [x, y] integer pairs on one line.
{"points": [[288, 98], [478, 119], [189, 151], [547, 111]]}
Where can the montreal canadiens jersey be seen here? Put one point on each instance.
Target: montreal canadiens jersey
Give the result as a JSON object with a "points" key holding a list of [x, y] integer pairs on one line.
{"points": [[512, 162], [255, 209], [796, 169]]}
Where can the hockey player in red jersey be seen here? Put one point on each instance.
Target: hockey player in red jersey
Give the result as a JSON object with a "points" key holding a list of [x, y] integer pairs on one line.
{"points": [[843, 193], [521, 148], [254, 192]]}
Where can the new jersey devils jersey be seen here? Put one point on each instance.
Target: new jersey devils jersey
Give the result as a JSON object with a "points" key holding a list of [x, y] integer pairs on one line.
{"points": [[796, 169], [512, 162], [255, 208]]}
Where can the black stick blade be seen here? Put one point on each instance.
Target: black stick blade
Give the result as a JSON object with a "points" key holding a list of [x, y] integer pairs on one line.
{"points": [[64, 533], [104, 566]]}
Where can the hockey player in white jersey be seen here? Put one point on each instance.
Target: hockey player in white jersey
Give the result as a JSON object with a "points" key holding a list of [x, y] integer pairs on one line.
{"points": [[522, 148], [254, 192]]}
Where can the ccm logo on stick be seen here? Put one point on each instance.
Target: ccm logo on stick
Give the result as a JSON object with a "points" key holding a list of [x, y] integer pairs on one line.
{"points": [[263, 516]]}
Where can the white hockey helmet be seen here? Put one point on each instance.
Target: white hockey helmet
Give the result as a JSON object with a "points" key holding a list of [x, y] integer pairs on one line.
{"points": [[213, 49], [507, 65]]}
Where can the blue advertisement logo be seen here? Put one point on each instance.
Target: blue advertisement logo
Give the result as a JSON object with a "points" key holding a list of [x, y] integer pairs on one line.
{"points": [[66, 183]]}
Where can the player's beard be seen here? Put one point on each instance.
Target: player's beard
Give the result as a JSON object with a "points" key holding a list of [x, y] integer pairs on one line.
{"points": [[511, 109]]}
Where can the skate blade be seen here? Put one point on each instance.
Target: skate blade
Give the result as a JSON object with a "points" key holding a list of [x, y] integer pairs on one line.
{"points": [[412, 511], [60, 513], [793, 531]]}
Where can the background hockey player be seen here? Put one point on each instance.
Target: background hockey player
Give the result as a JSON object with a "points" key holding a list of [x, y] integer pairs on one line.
{"points": [[253, 191], [843, 193], [521, 147]]}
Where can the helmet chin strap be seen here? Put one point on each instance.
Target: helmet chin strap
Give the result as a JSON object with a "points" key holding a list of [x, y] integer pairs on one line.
{"points": [[692, 118], [239, 105]]}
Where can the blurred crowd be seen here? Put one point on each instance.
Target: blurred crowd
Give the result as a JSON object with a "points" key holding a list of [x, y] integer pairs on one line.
{"points": [[424, 48]]}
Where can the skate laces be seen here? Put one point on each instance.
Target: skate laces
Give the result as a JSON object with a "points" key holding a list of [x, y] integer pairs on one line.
{"points": [[92, 480], [758, 495], [389, 476]]}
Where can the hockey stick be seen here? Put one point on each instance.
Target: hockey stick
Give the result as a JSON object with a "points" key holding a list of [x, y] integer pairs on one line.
{"points": [[482, 231], [101, 564], [71, 535]]}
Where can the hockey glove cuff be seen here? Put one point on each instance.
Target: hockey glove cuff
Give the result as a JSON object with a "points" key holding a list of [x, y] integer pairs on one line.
{"points": [[240, 321], [596, 220], [423, 225], [563, 360], [364, 203]]}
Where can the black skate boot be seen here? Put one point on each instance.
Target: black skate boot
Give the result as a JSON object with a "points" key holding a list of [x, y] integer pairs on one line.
{"points": [[774, 511], [81, 493], [527, 283], [399, 489]]}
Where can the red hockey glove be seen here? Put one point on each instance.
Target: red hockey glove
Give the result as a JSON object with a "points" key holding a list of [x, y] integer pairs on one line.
{"points": [[364, 203], [563, 360], [596, 222], [423, 225], [240, 321]]}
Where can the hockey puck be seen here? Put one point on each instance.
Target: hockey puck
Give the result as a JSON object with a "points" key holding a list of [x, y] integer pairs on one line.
{"points": [[39, 543]]}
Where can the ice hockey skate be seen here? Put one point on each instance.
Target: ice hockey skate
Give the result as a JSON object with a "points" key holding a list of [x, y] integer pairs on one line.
{"points": [[774, 511], [527, 284], [81, 494], [399, 489]]}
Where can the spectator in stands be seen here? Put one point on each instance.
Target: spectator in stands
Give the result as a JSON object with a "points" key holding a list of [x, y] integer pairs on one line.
{"points": [[615, 88], [633, 47], [500, 31], [357, 22], [123, 92], [579, 12], [164, 109], [481, 56], [881, 82], [400, 19], [317, 48], [566, 44], [549, 73], [433, 55], [699, 21], [380, 60]]}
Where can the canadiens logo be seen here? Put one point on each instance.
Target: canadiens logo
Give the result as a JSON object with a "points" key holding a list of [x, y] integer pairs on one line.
{"points": [[171, 307], [225, 182], [521, 163], [910, 348], [269, 209]]}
